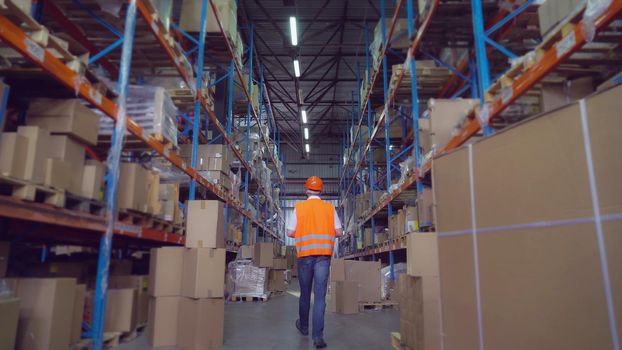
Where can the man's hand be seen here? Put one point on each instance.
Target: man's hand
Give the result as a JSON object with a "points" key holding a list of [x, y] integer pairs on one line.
{"points": [[339, 233], [291, 233]]}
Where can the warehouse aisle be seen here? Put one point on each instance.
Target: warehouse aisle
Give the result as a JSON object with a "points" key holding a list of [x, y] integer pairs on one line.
{"points": [[270, 325]]}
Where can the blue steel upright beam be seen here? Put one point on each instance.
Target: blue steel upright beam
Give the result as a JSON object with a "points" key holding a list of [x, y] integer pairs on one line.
{"points": [[260, 114], [248, 131], [414, 94], [114, 157], [387, 119], [483, 68], [197, 103]]}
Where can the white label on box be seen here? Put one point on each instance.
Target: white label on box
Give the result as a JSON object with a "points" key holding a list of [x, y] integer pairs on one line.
{"points": [[35, 50], [154, 26], [95, 96], [166, 152], [565, 44], [125, 228], [506, 94]]}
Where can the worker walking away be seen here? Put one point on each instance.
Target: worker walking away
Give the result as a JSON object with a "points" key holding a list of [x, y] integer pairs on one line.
{"points": [[314, 224]]}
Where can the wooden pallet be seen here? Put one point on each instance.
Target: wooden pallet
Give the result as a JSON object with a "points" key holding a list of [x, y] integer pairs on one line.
{"points": [[85, 205], [111, 339], [31, 192], [242, 298], [82, 344], [376, 306]]}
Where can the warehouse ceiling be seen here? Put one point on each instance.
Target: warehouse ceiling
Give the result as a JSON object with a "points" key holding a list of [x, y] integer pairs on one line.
{"points": [[331, 44]]}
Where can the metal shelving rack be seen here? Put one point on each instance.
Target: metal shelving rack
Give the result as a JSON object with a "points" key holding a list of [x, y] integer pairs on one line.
{"points": [[38, 54], [495, 98]]}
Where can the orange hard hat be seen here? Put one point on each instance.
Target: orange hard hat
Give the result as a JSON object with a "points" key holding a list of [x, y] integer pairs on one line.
{"points": [[314, 183]]}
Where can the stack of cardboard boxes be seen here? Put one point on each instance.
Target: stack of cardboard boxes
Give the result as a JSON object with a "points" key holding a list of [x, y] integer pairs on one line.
{"points": [[419, 294], [190, 19], [352, 282], [50, 149], [213, 162], [186, 285], [267, 254]]}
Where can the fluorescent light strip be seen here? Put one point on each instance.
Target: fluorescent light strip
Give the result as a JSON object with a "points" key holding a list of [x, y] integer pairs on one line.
{"points": [[307, 148], [293, 31], [296, 68], [306, 133], [304, 116]]}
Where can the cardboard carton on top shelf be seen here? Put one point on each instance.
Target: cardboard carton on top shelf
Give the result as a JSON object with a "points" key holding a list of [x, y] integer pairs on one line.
{"points": [[36, 152], [92, 179], [67, 117], [13, 152]]}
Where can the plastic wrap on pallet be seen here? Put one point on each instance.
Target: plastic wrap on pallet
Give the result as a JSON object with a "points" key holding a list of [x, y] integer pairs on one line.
{"points": [[248, 280], [388, 284], [593, 10], [152, 108], [407, 168]]}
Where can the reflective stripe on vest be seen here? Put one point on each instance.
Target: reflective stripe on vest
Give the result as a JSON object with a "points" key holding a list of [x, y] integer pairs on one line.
{"points": [[315, 231]]}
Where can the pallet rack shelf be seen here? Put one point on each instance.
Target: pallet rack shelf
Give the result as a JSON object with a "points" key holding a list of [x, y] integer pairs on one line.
{"points": [[557, 47]]}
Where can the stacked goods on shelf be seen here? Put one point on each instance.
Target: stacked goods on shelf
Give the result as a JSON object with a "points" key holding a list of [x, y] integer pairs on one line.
{"points": [[389, 287], [186, 286], [366, 274], [544, 244], [138, 189], [399, 38], [559, 93], [419, 294], [234, 233], [190, 19], [550, 12], [129, 286], [213, 162], [169, 199], [405, 221], [248, 280], [363, 135], [395, 128], [370, 240], [152, 108]]}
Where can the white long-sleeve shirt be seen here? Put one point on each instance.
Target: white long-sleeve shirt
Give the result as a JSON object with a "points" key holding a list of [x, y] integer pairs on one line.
{"points": [[292, 221]]}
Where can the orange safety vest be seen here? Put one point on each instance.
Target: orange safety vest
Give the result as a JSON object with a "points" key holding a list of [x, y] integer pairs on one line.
{"points": [[315, 228]]}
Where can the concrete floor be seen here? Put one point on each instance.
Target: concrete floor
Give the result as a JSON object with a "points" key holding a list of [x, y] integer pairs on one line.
{"points": [[270, 325]]}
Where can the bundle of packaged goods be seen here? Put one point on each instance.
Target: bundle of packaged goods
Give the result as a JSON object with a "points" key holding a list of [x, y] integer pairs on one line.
{"points": [[389, 287], [50, 149], [248, 279], [213, 162], [152, 108], [169, 199], [541, 248], [139, 189], [352, 282], [552, 12], [187, 285], [190, 19], [399, 39]]}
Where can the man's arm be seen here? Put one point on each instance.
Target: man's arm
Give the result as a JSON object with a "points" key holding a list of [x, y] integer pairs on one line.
{"points": [[338, 227], [338, 232], [291, 233], [291, 224]]}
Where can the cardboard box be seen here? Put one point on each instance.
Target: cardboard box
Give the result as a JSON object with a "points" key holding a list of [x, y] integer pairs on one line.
{"points": [[46, 312], [425, 207], [132, 193], [276, 281], [420, 310], [411, 219], [346, 295], [153, 205], [203, 273], [66, 149], [121, 267], [163, 322], [279, 264], [367, 275], [337, 270], [36, 152], [5, 253], [555, 95], [422, 254], [331, 302], [67, 117], [165, 270], [521, 176], [444, 116], [92, 179], [138, 282], [205, 224], [13, 152], [9, 315], [550, 13], [227, 14], [264, 254], [120, 310], [57, 174], [246, 252], [78, 313], [203, 326]]}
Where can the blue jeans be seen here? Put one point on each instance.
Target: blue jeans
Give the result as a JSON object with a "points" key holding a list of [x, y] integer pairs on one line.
{"points": [[313, 271]]}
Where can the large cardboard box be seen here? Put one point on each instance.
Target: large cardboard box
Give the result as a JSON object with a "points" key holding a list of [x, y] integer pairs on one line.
{"points": [[367, 275], [162, 324], [555, 95], [46, 312], [422, 254], [521, 176], [444, 116], [36, 152], [92, 179], [264, 254], [120, 310], [203, 273], [246, 252], [132, 193], [141, 284], [337, 270], [57, 174], [153, 205], [165, 270], [276, 281], [9, 315], [203, 326], [420, 310], [5, 251], [279, 264], [67, 117], [425, 207], [190, 19], [13, 153], [205, 224], [78, 313], [66, 149], [346, 295], [552, 12]]}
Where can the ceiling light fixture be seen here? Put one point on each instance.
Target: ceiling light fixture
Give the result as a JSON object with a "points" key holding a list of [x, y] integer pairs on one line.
{"points": [[307, 148], [306, 133], [304, 116], [296, 68], [293, 31]]}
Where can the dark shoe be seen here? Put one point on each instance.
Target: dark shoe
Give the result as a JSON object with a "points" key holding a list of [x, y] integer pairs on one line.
{"points": [[303, 332], [319, 343]]}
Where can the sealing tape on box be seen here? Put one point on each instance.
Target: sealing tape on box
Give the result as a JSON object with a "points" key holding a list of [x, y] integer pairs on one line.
{"points": [[613, 329]]}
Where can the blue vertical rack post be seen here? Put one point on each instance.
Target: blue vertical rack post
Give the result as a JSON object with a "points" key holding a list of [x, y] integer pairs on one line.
{"points": [[248, 132], [370, 119], [105, 247], [260, 124], [196, 129], [483, 68]]}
